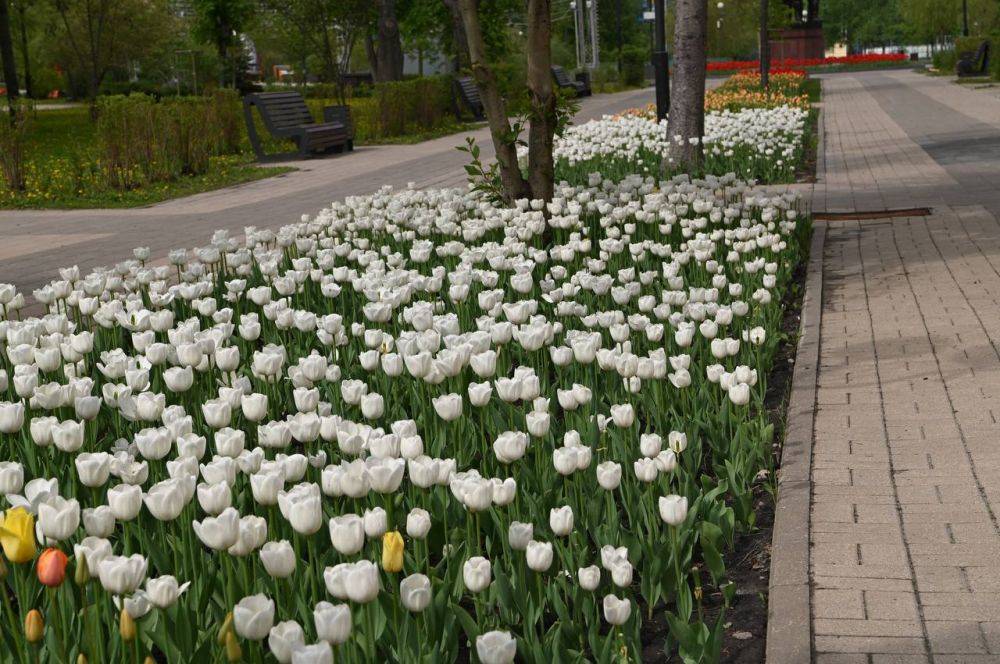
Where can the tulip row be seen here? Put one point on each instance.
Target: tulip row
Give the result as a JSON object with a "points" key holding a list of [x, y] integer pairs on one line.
{"points": [[402, 429], [758, 141]]}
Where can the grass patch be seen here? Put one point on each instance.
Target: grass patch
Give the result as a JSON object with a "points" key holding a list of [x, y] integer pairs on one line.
{"points": [[975, 80], [813, 89], [64, 169]]}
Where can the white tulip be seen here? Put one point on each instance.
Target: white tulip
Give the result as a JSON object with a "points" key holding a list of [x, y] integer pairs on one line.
{"points": [[253, 617]]}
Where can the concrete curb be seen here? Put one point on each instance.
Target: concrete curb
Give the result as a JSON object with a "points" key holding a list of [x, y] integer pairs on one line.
{"points": [[789, 624]]}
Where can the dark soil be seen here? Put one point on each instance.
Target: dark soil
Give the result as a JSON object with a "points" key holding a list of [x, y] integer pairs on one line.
{"points": [[748, 565]]}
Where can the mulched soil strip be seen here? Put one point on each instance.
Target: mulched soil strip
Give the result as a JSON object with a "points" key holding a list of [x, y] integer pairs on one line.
{"points": [[861, 215]]}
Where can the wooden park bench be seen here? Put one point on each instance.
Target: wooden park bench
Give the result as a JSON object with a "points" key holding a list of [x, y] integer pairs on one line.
{"points": [[974, 63], [580, 85], [286, 115], [467, 93]]}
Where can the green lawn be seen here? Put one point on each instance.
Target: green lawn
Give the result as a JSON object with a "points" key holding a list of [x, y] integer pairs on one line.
{"points": [[64, 170]]}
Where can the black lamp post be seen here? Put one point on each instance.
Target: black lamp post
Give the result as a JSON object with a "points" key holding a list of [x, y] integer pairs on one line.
{"points": [[765, 47], [661, 61], [965, 18]]}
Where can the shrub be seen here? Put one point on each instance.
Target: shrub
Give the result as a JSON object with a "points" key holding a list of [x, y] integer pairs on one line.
{"points": [[413, 106], [945, 60], [142, 141], [190, 136], [125, 129], [227, 119], [634, 65]]}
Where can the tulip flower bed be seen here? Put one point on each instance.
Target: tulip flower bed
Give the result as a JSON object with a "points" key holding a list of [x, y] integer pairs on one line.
{"points": [[417, 427], [761, 144], [743, 90], [860, 61]]}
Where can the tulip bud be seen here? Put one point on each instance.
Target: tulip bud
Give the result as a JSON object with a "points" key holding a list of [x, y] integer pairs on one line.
{"points": [[34, 626], [233, 651], [227, 627], [51, 567], [126, 626], [81, 575], [81, 659], [392, 552]]}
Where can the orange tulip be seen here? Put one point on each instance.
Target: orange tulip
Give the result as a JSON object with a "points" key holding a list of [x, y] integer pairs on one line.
{"points": [[51, 567]]}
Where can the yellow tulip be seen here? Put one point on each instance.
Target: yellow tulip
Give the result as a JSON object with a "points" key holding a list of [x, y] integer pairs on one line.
{"points": [[17, 535], [392, 552], [34, 626]]}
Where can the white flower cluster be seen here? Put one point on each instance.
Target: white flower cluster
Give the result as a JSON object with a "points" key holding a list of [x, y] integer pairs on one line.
{"points": [[474, 376], [751, 141]]}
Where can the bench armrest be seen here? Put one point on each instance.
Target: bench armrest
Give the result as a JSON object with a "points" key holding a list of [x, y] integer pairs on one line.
{"points": [[341, 114]]}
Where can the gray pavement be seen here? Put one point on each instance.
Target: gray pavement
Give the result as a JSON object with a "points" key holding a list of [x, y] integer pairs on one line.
{"points": [[904, 542], [34, 244]]}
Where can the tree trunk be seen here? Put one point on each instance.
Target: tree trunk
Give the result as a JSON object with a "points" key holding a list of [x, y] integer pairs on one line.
{"points": [[25, 54], [389, 58], [514, 184], [372, 54], [222, 40], [541, 169], [687, 99], [7, 55], [331, 72], [457, 33]]}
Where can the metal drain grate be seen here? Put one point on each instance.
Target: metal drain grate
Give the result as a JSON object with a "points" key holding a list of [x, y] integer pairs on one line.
{"points": [[859, 215]]}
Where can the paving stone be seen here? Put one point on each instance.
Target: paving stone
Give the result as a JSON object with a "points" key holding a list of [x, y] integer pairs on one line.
{"points": [[837, 603], [960, 638], [906, 460]]}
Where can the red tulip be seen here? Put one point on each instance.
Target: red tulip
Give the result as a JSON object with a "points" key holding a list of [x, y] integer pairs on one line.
{"points": [[51, 567]]}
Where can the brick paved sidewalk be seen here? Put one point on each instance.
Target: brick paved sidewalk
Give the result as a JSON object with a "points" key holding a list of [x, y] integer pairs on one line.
{"points": [[904, 544], [904, 537]]}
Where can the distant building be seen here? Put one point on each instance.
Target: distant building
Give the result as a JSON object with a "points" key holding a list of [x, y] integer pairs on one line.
{"points": [[837, 51]]}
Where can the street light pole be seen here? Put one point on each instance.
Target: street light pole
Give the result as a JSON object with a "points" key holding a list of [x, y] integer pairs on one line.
{"points": [[765, 47], [965, 18], [661, 61]]}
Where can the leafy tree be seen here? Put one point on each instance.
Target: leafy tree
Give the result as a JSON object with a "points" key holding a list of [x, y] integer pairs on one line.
{"points": [[322, 29], [929, 21], [96, 35], [861, 23], [424, 25], [620, 18], [220, 23]]}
